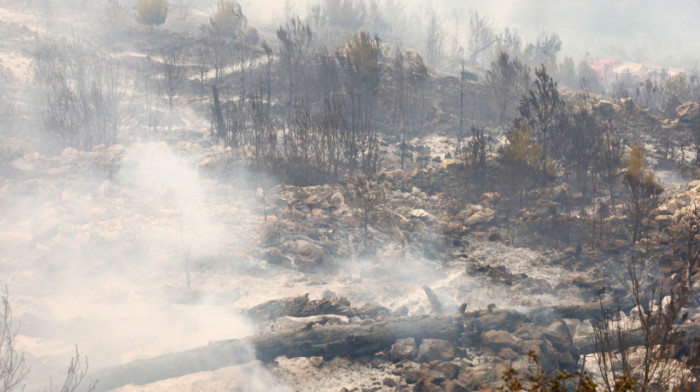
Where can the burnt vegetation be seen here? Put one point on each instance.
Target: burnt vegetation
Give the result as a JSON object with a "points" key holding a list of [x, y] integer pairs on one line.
{"points": [[541, 154]]}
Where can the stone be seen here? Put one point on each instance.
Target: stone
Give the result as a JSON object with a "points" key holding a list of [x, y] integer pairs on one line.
{"points": [[483, 216], [479, 377], [528, 331], [275, 256], [316, 361], [389, 382], [490, 197], [403, 349], [606, 109], [337, 200], [342, 212], [449, 369], [422, 215], [313, 201], [398, 175], [426, 386], [455, 229], [437, 377], [566, 361], [507, 353], [414, 375], [559, 335], [435, 349], [500, 339], [455, 386], [688, 112], [533, 345], [401, 311], [307, 253]]}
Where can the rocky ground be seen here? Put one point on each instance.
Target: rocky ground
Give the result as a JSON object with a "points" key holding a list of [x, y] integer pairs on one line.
{"points": [[115, 244], [166, 241]]}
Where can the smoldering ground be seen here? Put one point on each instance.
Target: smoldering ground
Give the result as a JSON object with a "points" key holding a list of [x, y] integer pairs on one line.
{"points": [[110, 265]]}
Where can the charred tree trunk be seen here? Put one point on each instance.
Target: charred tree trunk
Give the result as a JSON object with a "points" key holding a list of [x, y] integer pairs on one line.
{"points": [[586, 345], [328, 341]]}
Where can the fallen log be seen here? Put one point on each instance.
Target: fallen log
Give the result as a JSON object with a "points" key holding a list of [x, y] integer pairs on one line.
{"points": [[354, 340], [586, 345], [328, 341], [583, 311]]}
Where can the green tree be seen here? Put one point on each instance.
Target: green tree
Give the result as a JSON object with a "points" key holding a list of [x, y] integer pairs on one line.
{"points": [[151, 12], [520, 157]]}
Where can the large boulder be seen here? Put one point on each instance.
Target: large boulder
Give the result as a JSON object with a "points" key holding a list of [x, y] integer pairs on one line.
{"points": [[449, 369], [423, 215], [480, 214], [455, 386], [499, 339], [313, 201], [606, 109], [688, 112], [337, 200], [307, 253], [559, 335], [403, 349], [435, 349], [528, 331], [275, 256]]}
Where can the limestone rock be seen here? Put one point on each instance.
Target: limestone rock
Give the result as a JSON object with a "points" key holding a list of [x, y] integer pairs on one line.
{"points": [[422, 215], [500, 339], [397, 175], [455, 386], [688, 112], [403, 349], [307, 253], [490, 197], [313, 201], [559, 335], [337, 200], [435, 349], [480, 214], [449, 369], [275, 256], [606, 109]]}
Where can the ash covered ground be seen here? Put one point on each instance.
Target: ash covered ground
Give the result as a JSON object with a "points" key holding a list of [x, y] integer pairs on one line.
{"points": [[167, 187]]}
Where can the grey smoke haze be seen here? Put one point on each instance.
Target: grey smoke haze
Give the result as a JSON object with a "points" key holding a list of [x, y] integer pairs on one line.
{"points": [[98, 258], [660, 32], [663, 29]]}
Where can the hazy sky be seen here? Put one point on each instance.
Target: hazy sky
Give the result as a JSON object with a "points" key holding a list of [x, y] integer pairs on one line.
{"points": [[660, 28]]}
